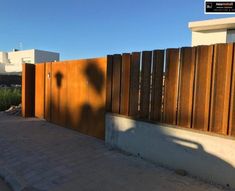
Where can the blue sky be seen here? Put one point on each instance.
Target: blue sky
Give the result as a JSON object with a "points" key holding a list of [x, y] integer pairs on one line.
{"points": [[93, 28]]}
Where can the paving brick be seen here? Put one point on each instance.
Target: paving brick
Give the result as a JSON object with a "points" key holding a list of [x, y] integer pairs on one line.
{"points": [[44, 156]]}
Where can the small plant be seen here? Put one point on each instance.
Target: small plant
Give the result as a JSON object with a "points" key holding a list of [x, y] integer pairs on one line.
{"points": [[9, 96]]}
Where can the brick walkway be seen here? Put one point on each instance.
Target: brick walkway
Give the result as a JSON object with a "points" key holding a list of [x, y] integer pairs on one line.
{"points": [[4, 186], [41, 156]]}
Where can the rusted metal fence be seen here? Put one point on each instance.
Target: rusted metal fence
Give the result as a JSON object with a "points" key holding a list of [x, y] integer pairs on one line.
{"points": [[68, 93], [192, 87]]}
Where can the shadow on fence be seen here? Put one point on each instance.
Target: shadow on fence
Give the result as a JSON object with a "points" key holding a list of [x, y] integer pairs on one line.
{"points": [[78, 99]]}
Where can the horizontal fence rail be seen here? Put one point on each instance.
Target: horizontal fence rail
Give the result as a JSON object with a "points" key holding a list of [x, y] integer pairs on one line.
{"points": [[192, 87]]}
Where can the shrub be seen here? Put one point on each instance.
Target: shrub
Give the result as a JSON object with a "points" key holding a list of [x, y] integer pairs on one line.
{"points": [[9, 97]]}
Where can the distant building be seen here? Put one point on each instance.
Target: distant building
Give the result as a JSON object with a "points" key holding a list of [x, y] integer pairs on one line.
{"points": [[11, 62], [213, 31]]}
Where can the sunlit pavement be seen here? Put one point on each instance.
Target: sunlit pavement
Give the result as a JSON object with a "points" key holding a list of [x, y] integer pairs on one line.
{"points": [[37, 155]]}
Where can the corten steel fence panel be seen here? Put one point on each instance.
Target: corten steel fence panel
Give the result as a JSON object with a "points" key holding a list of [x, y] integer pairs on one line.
{"points": [[28, 90], [222, 69], [39, 89], [202, 88], [75, 94], [86, 89], [171, 86], [116, 83], [59, 94], [125, 84], [109, 83], [47, 78], [232, 101], [157, 82], [95, 72], [186, 82], [145, 84], [134, 84]]}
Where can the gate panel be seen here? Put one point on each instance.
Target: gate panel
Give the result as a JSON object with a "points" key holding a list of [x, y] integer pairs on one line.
{"points": [[39, 89], [94, 72], [86, 90], [59, 94], [47, 78]]}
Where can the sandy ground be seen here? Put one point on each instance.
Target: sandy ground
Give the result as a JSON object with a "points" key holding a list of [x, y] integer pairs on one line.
{"points": [[42, 156]]}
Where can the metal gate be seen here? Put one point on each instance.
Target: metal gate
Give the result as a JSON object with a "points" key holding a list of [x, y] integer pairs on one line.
{"points": [[72, 94]]}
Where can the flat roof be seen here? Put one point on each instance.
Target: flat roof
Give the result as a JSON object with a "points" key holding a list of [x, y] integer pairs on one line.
{"points": [[20, 51], [212, 24]]}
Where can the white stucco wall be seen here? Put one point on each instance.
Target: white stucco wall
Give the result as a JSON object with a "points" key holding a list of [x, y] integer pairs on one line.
{"points": [[12, 62], [209, 37], [3, 61], [205, 155], [3, 57], [19, 57], [12, 68]]}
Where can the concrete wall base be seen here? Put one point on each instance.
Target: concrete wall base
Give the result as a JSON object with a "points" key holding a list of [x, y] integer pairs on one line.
{"points": [[205, 155]]}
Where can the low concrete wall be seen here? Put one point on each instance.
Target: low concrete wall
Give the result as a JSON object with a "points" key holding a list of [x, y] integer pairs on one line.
{"points": [[205, 155]]}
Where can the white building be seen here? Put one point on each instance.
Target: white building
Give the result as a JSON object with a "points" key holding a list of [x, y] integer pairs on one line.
{"points": [[213, 31], [12, 61]]}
